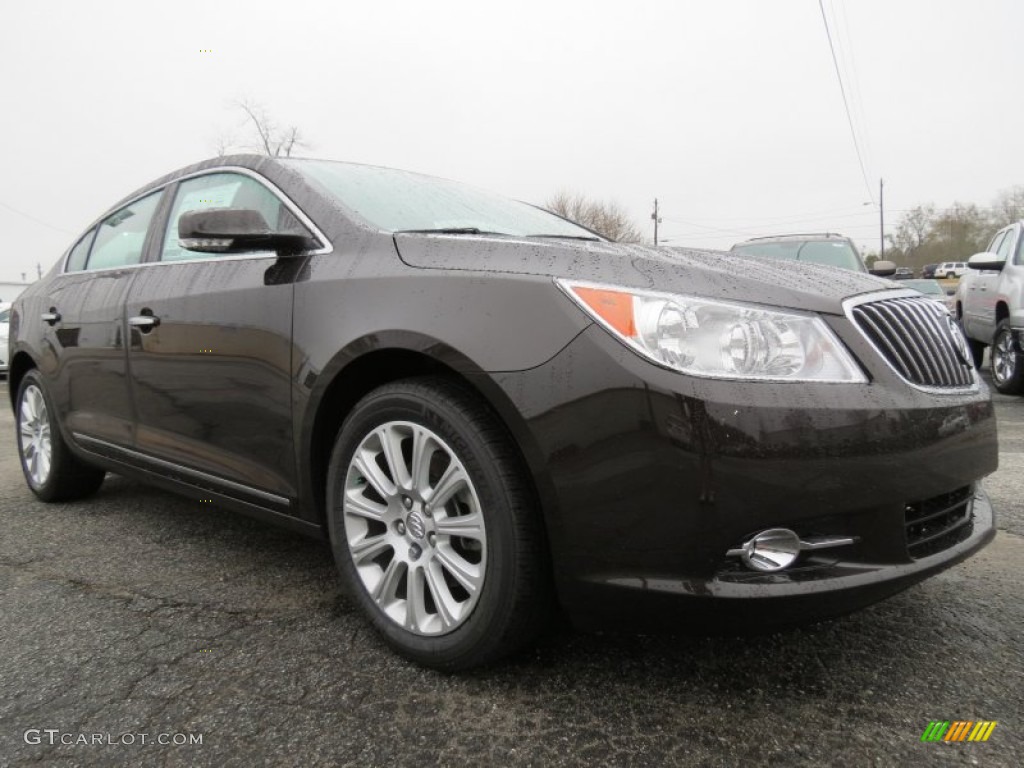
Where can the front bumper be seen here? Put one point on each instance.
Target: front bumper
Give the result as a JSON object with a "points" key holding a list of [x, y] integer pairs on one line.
{"points": [[654, 476]]}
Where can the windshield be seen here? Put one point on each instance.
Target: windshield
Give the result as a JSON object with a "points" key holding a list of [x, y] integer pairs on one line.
{"points": [[834, 253], [924, 286], [399, 201]]}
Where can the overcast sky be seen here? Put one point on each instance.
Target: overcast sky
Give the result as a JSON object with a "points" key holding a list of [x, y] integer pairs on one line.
{"points": [[729, 112]]}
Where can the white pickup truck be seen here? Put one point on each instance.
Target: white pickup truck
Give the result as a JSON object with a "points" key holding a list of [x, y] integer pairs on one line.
{"points": [[990, 307]]}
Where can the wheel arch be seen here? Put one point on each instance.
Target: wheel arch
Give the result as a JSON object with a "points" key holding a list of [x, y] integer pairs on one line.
{"points": [[21, 364], [372, 362], [1002, 311]]}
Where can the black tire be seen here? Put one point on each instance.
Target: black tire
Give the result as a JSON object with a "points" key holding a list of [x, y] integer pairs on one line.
{"points": [[1006, 361], [68, 477], [514, 602]]}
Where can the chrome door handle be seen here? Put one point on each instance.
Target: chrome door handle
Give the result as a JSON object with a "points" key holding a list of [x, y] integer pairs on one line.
{"points": [[144, 322], [52, 317]]}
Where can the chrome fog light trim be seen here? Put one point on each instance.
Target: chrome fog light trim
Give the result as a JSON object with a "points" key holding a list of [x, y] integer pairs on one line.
{"points": [[778, 548]]}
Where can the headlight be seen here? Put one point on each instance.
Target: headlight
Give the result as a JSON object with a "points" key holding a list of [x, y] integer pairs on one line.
{"points": [[718, 339]]}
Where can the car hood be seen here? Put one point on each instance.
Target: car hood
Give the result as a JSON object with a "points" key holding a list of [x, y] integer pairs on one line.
{"points": [[710, 274]]}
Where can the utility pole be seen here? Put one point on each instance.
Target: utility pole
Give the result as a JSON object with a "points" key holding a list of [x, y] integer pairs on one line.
{"points": [[657, 221], [39, 270], [881, 218]]}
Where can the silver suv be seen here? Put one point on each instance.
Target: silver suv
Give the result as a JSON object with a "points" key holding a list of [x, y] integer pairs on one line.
{"points": [[990, 305]]}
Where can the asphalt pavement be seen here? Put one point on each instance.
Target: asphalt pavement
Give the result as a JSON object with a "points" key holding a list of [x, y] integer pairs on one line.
{"points": [[138, 617]]}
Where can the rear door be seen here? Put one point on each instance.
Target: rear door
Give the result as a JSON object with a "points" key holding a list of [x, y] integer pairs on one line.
{"points": [[83, 331], [210, 352]]}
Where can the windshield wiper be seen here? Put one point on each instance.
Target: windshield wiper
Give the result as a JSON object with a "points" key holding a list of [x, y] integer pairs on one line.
{"points": [[571, 237], [449, 231]]}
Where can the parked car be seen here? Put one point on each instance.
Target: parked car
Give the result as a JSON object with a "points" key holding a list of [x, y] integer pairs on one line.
{"points": [[5, 315], [990, 305], [951, 269], [489, 411], [933, 290], [903, 273], [825, 248], [928, 271]]}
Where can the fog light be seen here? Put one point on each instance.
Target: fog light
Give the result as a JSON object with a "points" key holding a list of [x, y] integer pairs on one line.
{"points": [[771, 550]]}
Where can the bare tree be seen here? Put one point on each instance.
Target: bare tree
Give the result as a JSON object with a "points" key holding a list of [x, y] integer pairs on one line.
{"points": [[609, 218], [913, 228], [1008, 207], [271, 139]]}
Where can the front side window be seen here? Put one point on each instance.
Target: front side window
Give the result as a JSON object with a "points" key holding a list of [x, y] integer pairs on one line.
{"points": [[224, 190], [120, 238], [78, 255], [1005, 247]]}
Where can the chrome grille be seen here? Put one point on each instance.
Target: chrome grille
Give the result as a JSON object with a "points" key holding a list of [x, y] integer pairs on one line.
{"points": [[939, 523], [918, 339]]}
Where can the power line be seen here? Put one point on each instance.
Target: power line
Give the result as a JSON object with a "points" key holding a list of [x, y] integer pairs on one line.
{"points": [[846, 103], [33, 218]]}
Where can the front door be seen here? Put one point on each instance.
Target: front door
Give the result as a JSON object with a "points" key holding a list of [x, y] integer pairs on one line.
{"points": [[210, 354]]}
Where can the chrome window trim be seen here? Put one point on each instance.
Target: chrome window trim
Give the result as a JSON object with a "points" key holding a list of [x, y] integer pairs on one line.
{"points": [[307, 222], [198, 474], [901, 293]]}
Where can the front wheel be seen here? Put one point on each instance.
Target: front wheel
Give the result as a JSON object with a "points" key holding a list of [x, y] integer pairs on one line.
{"points": [[435, 527], [52, 471], [1007, 361]]}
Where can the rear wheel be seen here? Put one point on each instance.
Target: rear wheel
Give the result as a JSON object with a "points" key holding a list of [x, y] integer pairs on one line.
{"points": [[434, 526], [1007, 361], [52, 472]]}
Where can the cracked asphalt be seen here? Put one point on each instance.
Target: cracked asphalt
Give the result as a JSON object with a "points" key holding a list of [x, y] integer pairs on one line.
{"points": [[140, 613]]}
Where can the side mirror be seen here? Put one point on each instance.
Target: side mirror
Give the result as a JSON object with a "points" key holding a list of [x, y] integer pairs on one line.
{"points": [[986, 260], [883, 268], [236, 230]]}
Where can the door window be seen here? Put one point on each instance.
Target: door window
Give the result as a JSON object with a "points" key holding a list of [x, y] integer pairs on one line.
{"points": [[993, 247], [1005, 247], [78, 255], [121, 237], [224, 190]]}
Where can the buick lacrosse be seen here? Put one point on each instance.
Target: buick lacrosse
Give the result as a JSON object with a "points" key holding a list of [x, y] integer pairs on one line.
{"points": [[494, 414]]}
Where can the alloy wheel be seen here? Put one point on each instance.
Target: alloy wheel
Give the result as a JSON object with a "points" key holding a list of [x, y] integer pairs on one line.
{"points": [[414, 528], [1004, 357], [34, 427]]}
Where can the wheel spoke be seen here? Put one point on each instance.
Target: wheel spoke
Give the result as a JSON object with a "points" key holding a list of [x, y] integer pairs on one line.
{"points": [[391, 444], [384, 592], [415, 599], [369, 470], [422, 451], [467, 526], [44, 466], [465, 572], [450, 482], [358, 505], [447, 607], [367, 548]]}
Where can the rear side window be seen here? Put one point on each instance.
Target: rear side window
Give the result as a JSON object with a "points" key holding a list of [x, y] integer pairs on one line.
{"points": [[224, 190], [78, 255], [121, 237]]}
